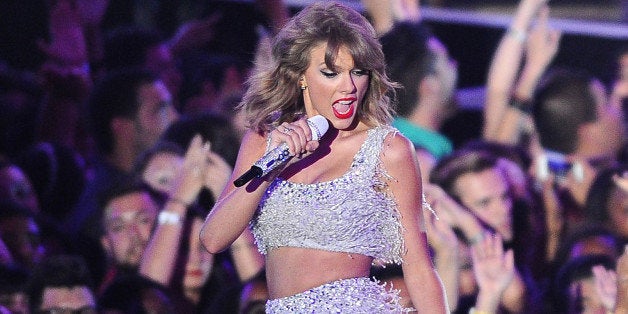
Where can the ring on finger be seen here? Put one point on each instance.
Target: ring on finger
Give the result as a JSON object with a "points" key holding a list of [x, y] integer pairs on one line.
{"points": [[287, 130]]}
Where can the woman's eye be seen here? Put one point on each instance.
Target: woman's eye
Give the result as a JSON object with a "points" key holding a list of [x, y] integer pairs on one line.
{"points": [[329, 74], [360, 72]]}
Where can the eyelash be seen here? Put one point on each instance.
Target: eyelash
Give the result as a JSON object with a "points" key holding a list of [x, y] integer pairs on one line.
{"points": [[354, 72]]}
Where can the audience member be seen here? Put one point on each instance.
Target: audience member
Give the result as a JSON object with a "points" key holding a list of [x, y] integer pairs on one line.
{"points": [[13, 289], [199, 169], [177, 225], [480, 187], [418, 61], [129, 214], [59, 284], [17, 187], [590, 129], [57, 174], [621, 304], [136, 47], [606, 203], [21, 235], [572, 153], [494, 270], [215, 129], [209, 80], [575, 286], [589, 239], [133, 293], [510, 86], [72, 48], [128, 110]]}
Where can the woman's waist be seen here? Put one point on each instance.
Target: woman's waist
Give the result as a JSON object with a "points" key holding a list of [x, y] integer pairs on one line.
{"points": [[294, 270]]}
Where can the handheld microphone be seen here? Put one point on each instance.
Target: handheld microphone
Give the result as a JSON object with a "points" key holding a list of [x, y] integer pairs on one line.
{"points": [[278, 156]]}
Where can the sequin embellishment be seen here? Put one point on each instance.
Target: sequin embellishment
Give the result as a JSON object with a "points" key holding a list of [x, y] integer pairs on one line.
{"points": [[354, 295], [352, 213]]}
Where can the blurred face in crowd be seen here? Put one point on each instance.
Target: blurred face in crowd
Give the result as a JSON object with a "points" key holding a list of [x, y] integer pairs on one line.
{"points": [[15, 186], [156, 112], [487, 195], [161, 170], [68, 300], [22, 238], [199, 263], [594, 245], [446, 70], [605, 135], [128, 223], [618, 211]]}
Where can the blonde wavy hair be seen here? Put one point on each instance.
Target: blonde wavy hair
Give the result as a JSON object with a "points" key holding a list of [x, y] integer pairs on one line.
{"points": [[273, 95]]}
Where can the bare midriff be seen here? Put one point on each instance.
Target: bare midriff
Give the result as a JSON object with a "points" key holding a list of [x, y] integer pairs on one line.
{"points": [[291, 270]]}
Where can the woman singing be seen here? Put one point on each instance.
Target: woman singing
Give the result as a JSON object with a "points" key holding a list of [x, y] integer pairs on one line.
{"points": [[341, 203]]}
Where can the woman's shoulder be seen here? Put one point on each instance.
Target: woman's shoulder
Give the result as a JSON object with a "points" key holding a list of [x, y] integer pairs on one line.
{"points": [[395, 146]]}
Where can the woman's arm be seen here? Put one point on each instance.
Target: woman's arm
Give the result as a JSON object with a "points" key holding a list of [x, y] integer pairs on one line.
{"points": [[424, 285], [168, 232], [445, 245], [502, 74], [235, 207]]}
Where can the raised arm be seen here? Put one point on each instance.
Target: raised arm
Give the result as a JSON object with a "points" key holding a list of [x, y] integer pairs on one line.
{"points": [[505, 67], [424, 285], [384, 14], [160, 255]]}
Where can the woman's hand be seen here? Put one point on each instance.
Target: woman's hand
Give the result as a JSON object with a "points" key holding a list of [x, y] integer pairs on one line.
{"points": [[297, 135], [494, 270], [191, 177]]}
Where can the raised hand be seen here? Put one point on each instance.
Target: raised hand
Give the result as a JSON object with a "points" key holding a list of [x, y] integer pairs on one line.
{"points": [[605, 286], [494, 270], [542, 43], [188, 183], [67, 41]]}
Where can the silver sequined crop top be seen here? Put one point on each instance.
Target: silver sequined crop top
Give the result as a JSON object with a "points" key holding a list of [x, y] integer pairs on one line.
{"points": [[352, 213]]}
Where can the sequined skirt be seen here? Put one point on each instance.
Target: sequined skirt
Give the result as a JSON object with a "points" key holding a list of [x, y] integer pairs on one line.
{"points": [[354, 295]]}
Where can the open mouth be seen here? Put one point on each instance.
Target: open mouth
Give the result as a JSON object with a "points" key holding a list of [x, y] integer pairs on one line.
{"points": [[344, 108]]}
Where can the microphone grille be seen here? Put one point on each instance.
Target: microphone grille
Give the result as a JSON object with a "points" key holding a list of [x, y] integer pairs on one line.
{"points": [[319, 126]]}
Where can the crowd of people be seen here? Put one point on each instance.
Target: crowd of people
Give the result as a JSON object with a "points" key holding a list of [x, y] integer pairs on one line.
{"points": [[120, 145]]}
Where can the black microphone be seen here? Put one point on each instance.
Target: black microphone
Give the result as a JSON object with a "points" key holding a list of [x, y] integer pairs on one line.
{"points": [[278, 156]]}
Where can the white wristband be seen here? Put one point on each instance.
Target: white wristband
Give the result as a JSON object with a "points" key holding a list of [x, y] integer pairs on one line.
{"points": [[168, 218]]}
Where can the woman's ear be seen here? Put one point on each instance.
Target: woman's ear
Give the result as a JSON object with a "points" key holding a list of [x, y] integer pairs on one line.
{"points": [[302, 83]]}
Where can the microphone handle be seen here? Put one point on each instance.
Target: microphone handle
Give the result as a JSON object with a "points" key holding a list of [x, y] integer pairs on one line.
{"points": [[266, 164], [254, 172]]}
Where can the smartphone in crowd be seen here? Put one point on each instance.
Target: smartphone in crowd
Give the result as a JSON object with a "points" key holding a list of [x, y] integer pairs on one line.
{"points": [[558, 165]]}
